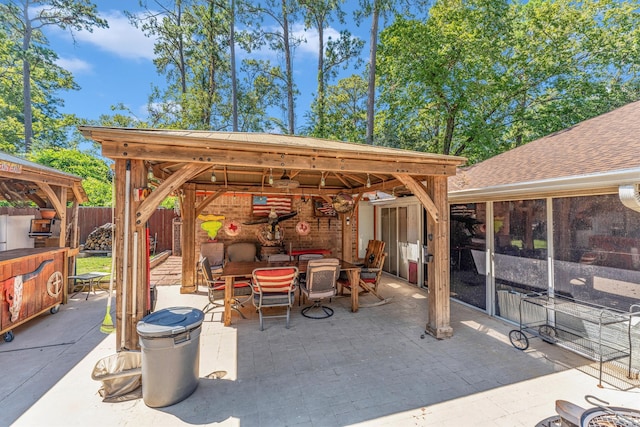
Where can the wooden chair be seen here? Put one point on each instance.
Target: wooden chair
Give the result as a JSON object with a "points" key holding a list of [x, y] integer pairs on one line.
{"points": [[370, 272], [216, 286], [274, 287]]}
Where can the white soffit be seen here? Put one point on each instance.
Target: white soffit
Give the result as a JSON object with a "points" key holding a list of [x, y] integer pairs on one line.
{"points": [[564, 185]]}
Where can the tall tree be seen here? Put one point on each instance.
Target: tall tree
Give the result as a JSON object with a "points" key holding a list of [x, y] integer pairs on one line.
{"points": [[345, 110], [281, 39], [26, 19], [319, 15], [481, 76]]}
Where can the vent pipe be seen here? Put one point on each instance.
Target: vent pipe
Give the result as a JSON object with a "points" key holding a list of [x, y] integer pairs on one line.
{"points": [[629, 196]]}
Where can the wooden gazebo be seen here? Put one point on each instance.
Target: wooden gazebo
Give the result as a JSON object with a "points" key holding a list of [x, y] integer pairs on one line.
{"points": [[182, 162]]}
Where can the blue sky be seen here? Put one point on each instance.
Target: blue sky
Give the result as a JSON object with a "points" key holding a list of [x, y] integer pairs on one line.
{"points": [[115, 65]]}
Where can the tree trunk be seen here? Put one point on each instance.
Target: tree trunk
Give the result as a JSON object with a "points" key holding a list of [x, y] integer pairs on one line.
{"points": [[232, 53], [371, 95], [289, 76], [321, 101], [26, 82]]}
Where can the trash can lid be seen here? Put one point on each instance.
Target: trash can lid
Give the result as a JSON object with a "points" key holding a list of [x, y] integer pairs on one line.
{"points": [[169, 322]]}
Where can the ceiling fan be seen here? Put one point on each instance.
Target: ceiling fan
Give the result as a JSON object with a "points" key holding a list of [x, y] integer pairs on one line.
{"points": [[285, 182]]}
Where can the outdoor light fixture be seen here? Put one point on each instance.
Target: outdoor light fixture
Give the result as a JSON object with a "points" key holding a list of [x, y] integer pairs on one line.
{"points": [[213, 174], [150, 173], [270, 176], [285, 182], [368, 182], [322, 182]]}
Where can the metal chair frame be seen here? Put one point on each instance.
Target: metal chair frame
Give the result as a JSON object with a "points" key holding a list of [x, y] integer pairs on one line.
{"points": [[271, 289]]}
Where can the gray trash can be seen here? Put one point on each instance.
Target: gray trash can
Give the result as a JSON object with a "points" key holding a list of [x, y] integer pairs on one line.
{"points": [[170, 342]]}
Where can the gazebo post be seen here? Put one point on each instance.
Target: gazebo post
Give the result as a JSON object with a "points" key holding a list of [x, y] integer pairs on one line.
{"points": [[438, 323], [347, 237], [188, 239]]}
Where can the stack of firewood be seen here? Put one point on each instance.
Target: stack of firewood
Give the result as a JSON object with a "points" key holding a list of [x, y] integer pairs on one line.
{"points": [[100, 238]]}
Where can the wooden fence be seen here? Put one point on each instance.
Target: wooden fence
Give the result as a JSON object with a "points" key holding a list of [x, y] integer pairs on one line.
{"points": [[160, 224], [90, 218]]}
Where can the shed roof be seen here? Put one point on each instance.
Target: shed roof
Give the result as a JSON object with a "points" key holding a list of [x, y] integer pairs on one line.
{"points": [[595, 147], [21, 181]]}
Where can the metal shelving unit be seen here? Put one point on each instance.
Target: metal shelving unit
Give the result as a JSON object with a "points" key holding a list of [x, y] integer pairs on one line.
{"points": [[599, 333]]}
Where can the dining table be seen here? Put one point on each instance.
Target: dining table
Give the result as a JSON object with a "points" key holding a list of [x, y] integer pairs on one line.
{"points": [[243, 269]]}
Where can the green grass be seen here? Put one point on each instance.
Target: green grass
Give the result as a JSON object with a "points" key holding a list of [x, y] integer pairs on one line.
{"points": [[101, 264]]}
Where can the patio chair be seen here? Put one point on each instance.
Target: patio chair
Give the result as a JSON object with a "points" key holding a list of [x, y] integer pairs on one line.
{"points": [[307, 257], [279, 258], [274, 287], [214, 252], [370, 273], [321, 282], [242, 251], [216, 286]]}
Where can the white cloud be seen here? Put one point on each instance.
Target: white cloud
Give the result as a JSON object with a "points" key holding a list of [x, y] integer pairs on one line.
{"points": [[310, 38], [121, 38], [307, 49], [74, 65]]}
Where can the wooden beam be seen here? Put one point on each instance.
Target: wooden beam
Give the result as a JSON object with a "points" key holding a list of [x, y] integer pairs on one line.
{"points": [[421, 194], [53, 197], [439, 322], [188, 240], [210, 198], [175, 181], [119, 238], [219, 156]]}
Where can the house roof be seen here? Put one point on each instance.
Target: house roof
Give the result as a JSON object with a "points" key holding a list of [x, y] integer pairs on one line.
{"points": [[592, 149]]}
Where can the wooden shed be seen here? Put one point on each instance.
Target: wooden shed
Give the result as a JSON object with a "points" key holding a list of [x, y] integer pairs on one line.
{"points": [[33, 275], [182, 162]]}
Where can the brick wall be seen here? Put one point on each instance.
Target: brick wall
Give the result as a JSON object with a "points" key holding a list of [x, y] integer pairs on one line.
{"points": [[326, 233]]}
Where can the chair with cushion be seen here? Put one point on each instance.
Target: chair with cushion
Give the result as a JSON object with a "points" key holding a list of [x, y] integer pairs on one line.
{"points": [[242, 251], [274, 287], [322, 275], [216, 286], [214, 252], [307, 257], [279, 258]]}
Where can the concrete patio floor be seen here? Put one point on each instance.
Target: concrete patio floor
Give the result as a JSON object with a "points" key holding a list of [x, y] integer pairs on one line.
{"points": [[371, 368]]}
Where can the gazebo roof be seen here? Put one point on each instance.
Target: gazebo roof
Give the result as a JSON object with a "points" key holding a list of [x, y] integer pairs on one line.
{"points": [[244, 162]]}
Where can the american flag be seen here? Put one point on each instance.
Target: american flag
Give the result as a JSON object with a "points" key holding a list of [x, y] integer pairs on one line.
{"points": [[262, 205], [323, 208]]}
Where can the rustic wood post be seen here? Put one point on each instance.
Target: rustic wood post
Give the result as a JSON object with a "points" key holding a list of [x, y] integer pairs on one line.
{"points": [[438, 269], [188, 239]]}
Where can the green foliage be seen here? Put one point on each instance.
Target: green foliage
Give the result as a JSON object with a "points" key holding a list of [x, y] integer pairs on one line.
{"points": [[32, 100], [96, 173], [345, 110], [482, 76]]}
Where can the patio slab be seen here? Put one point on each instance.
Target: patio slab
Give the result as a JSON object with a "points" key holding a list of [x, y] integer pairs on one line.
{"points": [[371, 368]]}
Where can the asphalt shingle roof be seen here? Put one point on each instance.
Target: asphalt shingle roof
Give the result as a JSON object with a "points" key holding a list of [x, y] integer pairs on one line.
{"points": [[605, 143]]}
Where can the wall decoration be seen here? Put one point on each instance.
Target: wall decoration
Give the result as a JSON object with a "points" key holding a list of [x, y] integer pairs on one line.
{"points": [[262, 205], [303, 228], [211, 224], [232, 228], [322, 208]]}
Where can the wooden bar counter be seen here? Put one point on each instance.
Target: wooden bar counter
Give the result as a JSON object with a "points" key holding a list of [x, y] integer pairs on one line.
{"points": [[32, 281]]}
